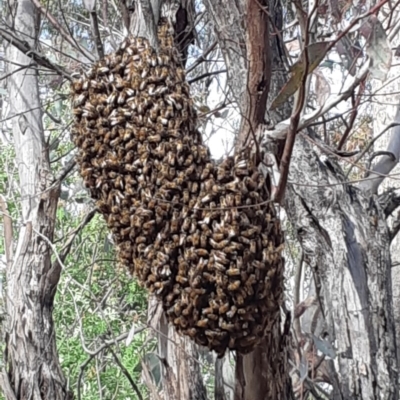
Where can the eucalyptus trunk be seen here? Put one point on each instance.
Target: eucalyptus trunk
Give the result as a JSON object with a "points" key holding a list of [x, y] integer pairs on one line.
{"points": [[32, 369], [345, 239]]}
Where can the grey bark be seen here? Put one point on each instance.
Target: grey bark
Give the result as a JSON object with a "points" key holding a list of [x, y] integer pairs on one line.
{"points": [[346, 241], [387, 162], [144, 22], [32, 368], [228, 21], [179, 359]]}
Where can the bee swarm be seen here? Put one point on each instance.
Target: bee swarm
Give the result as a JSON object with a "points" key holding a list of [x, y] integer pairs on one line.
{"points": [[198, 234]]}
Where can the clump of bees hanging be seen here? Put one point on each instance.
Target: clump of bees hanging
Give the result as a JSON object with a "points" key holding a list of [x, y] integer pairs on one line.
{"points": [[200, 235]]}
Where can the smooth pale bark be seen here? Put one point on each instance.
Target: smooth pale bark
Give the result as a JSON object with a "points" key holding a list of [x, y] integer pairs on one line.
{"points": [[179, 359], [32, 367]]}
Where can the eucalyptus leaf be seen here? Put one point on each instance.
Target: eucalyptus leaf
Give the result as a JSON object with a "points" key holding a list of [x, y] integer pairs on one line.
{"points": [[303, 368], [315, 54], [379, 51], [324, 347]]}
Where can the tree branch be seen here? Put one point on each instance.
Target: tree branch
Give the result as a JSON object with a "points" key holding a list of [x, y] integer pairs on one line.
{"points": [[387, 161], [202, 58], [143, 23], [280, 131], [69, 38], [127, 374], [94, 23], [25, 48]]}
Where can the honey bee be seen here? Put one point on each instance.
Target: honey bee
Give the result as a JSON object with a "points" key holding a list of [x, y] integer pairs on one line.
{"points": [[220, 257], [206, 171], [195, 187], [180, 74], [196, 281], [117, 120], [112, 98], [233, 272], [80, 99], [231, 313], [192, 332], [219, 245], [175, 222], [119, 182], [234, 285], [202, 252], [226, 326], [203, 323], [208, 277], [187, 311], [239, 299], [233, 248], [181, 322], [203, 240], [195, 238], [220, 278], [224, 308], [253, 246]]}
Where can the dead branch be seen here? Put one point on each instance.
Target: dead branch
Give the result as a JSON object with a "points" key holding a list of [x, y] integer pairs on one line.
{"points": [[25, 48]]}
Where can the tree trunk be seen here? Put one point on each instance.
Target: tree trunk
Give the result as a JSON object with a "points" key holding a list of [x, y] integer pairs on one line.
{"points": [[385, 111], [32, 367], [249, 52], [345, 239], [179, 359]]}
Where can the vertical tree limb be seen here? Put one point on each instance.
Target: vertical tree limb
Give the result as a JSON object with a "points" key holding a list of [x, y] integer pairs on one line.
{"points": [[32, 365]]}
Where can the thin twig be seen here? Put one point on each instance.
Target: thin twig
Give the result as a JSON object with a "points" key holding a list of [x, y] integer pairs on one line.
{"points": [[127, 374], [105, 345], [206, 75], [94, 23], [202, 58], [294, 121], [353, 116], [67, 36], [25, 48]]}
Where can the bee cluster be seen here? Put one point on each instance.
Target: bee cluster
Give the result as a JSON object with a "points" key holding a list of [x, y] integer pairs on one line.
{"points": [[198, 234]]}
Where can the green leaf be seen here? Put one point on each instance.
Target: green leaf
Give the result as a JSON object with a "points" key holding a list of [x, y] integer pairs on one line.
{"points": [[316, 53]]}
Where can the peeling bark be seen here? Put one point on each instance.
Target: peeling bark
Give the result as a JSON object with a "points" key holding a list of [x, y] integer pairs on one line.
{"points": [[345, 240], [181, 373], [32, 367]]}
